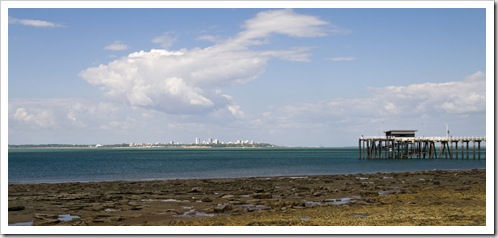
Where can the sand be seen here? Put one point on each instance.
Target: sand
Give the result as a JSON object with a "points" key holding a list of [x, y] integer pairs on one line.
{"points": [[429, 198]]}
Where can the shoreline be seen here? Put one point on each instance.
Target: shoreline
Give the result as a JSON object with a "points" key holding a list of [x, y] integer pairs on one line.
{"points": [[457, 196], [244, 177]]}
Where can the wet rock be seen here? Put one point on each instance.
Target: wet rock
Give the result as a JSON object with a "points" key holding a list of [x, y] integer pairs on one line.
{"points": [[136, 197], [133, 203], [254, 201], [223, 208], [464, 188], [108, 219], [371, 200], [262, 195], [41, 216], [46, 222], [206, 199], [298, 205], [78, 223], [97, 207], [361, 202], [16, 208], [237, 202], [369, 193]]}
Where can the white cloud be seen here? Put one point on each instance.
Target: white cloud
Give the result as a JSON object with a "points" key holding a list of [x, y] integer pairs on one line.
{"points": [[285, 22], [189, 81], [210, 38], [116, 46], [33, 23], [35, 118], [456, 98], [165, 40], [79, 121], [342, 59]]}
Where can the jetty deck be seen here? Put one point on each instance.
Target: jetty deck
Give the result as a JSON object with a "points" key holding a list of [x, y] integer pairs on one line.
{"points": [[408, 147]]}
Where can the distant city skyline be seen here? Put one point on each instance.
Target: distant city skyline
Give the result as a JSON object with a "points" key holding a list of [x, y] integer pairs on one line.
{"points": [[285, 76]]}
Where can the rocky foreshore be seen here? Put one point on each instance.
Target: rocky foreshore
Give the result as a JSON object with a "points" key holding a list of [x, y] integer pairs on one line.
{"points": [[407, 198]]}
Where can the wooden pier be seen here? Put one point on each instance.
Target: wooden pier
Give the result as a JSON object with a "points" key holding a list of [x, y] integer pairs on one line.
{"points": [[404, 145]]}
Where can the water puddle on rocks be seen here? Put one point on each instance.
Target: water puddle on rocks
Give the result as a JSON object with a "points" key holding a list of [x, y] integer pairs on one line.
{"points": [[385, 193], [194, 213], [111, 210], [28, 223], [67, 217], [62, 217], [252, 207], [393, 190], [332, 201]]}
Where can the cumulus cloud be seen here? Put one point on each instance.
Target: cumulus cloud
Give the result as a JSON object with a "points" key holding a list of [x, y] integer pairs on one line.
{"points": [[35, 118], [33, 23], [458, 98], [190, 81], [116, 46]]}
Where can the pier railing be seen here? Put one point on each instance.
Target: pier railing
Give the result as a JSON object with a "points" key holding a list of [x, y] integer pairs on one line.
{"points": [[382, 147]]}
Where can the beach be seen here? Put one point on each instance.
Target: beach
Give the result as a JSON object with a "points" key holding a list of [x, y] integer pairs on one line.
{"points": [[427, 198]]}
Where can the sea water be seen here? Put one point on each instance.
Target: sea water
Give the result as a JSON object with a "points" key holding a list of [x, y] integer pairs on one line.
{"points": [[110, 164]]}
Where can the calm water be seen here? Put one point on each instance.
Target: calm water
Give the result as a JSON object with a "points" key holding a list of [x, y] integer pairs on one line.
{"points": [[82, 165]]}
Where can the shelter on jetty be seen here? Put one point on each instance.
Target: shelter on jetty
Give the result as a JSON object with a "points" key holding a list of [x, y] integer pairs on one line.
{"points": [[403, 144]]}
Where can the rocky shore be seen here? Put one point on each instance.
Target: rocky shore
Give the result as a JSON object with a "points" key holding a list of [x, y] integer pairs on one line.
{"points": [[407, 198]]}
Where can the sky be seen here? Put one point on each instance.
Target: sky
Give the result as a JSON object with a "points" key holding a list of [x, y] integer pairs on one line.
{"points": [[289, 77]]}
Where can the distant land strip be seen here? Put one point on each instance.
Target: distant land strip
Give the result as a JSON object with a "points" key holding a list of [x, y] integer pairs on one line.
{"points": [[145, 145]]}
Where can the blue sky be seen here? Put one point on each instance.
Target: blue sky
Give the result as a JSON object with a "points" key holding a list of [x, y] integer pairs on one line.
{"points": [[297, 77]]}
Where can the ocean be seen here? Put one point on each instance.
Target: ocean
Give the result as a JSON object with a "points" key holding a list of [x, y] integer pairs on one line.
{"points": [[42, 165]]}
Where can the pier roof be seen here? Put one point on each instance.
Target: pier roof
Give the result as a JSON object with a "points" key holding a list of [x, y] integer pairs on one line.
{"points": [[400, 133]]}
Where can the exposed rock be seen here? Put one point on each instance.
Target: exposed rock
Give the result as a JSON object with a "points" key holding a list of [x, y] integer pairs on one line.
{"points": [[107, 219], [464, 188], [223, 208], [206, 199], [133, 203], [46, 222], [16, 208], [371, 200], [41, 216], [136, 197], [369, 194], [262, 195], [228, 196]]}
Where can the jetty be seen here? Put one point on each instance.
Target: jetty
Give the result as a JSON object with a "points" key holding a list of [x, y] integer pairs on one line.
{"points": [[403, 144]]}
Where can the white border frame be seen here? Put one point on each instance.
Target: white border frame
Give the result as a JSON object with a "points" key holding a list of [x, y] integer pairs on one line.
{"points": [[490, 175]]}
